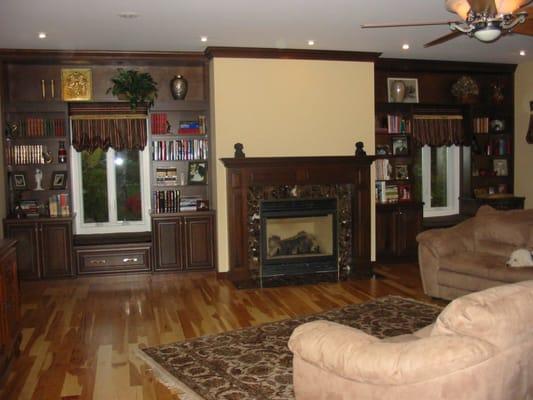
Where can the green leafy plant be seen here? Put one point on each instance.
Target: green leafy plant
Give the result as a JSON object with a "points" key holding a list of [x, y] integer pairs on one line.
{"points": [[137, 87]]}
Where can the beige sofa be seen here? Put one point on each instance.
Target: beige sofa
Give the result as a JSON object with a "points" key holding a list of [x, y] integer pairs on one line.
{"points": [[480, 348], [472, 256]]}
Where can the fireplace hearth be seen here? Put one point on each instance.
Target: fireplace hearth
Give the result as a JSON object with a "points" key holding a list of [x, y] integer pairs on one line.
{"points": [[298, 236]]}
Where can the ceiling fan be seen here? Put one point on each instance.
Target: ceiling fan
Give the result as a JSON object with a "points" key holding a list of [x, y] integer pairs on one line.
{"points": [[486, 20]]}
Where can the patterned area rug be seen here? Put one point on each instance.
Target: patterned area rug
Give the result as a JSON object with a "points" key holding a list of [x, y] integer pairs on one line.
{"points": [[255, 363]]}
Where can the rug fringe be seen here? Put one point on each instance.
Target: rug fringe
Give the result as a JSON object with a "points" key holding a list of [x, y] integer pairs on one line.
{"points": [[166, 378]]}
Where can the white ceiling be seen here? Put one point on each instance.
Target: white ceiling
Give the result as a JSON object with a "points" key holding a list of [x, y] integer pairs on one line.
{"points": [[171, 25]]}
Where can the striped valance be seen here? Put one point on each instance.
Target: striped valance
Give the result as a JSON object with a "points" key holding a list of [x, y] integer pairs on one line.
{"points": [[438, 130], [105, 125]]}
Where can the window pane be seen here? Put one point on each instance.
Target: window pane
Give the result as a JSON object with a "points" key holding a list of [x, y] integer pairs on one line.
{"points": [[439, 172], [94, 186], [128, 183]]}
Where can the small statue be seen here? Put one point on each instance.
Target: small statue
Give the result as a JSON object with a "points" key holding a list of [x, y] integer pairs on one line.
{"points": [[38, 179], [238, 150], [359, 152]]}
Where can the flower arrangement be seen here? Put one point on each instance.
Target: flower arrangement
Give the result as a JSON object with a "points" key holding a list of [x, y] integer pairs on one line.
{"points": [[465, 89]]}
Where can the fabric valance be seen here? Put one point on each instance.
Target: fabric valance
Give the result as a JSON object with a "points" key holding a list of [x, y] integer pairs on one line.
{"points": [[438, 130], [105, 125]]}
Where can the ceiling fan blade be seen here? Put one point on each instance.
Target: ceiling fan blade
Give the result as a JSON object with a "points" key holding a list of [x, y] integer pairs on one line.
{"points": [[365, 26], [524, 7], [444, 38], [525, 29], [480, 6]]}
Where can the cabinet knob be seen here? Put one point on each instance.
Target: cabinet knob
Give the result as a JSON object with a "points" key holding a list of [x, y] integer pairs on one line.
{"points": [[128, 260], [98, 262]]}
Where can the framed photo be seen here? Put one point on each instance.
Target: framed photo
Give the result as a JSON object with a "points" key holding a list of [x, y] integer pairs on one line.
{"points": [[197, 173], [19, 181], [500, 167], [202, 205], [404, 192], [76, 84], [401, 172], [59, 180], [402, 90], [400, 147], [383, 150]]}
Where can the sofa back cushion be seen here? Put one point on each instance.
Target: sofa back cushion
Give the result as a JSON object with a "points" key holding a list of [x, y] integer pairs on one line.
{"points": [[501, 315]]}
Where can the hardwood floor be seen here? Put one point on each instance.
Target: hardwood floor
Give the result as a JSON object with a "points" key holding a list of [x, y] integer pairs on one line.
{"points": [[79, 335]]}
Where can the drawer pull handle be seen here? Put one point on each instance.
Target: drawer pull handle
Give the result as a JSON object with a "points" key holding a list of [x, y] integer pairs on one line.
{"points": [[98, 262], [126, 260]]}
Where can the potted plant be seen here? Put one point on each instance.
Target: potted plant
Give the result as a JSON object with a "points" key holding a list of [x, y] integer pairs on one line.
{"points": [[134, 86]]}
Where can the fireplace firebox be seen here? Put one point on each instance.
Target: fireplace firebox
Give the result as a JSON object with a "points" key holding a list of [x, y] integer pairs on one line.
{"points": [[298, 236]]}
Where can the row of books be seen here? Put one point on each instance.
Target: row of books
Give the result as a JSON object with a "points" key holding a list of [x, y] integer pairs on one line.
{"points": [[389, 193], [160, 126], [58, 205], [38, 127], [198, 127], [481, 125], [24, 154], [179, 150], [398, 124], [166, 201]]}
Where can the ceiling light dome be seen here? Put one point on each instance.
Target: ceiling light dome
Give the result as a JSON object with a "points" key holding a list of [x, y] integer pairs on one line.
{"points": [[488, 34]]}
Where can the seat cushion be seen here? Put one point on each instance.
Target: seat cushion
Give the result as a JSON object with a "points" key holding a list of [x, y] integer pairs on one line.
{"points": [[486, 266], [501, 315]]}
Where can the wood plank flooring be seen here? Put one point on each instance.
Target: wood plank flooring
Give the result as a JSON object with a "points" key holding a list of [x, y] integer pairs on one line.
{"points": [[79, 335]]}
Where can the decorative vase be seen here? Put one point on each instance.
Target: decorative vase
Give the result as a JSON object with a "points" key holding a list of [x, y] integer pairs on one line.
{"points": [[178, 87], [398, 91]]}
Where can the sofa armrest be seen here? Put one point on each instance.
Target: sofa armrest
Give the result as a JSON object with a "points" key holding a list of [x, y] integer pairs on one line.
{"points": [[443, 242], [354, 355]]}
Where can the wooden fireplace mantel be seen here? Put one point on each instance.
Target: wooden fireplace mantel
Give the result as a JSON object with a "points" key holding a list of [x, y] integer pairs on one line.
{"points": [[261, 171]]}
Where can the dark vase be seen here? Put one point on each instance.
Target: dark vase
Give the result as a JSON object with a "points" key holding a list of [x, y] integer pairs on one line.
{"points": [[178, 87]]}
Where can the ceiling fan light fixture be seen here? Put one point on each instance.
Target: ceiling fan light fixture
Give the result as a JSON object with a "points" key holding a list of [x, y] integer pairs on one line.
{"points": [[488, 34]]}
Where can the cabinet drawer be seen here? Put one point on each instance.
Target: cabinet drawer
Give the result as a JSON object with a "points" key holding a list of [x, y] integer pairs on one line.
{"points": [[110, 259]]}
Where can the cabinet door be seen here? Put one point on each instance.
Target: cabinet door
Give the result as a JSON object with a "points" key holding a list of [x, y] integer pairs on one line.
{"points": [[11, 294], [168, 244], [199, 242], [25, 233], [25, 83], [409, 223], [385, 233], [56, 249]]}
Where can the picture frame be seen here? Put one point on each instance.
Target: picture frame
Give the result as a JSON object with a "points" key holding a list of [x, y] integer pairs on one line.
{"points": [[404, 192], [402, 90], [500, 167], [400, 146], [197, 173], [20, 181], [76, 84], [401, 172], [59, 180]]}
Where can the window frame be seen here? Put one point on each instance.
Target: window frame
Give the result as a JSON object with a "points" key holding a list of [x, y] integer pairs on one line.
{"points": [[113, 226], [453, 185]]}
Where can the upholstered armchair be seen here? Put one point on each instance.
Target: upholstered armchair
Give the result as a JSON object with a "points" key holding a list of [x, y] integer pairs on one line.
{"points": [[480, 348]]}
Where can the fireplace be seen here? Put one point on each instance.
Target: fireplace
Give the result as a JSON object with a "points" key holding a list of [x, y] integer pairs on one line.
{"points": [[298, 236]]}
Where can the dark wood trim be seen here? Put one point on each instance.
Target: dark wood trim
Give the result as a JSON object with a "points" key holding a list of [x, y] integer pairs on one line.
{"points": [[410, 66], [290, 54], [249, 162], [106, 57]]}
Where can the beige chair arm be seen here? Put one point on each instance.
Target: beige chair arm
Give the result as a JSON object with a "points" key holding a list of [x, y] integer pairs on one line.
{"points": [[352, 354], [442, 242]]}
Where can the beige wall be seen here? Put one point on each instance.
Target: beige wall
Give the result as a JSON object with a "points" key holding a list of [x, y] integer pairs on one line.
{"points": [[287, 108], [523, 150]]}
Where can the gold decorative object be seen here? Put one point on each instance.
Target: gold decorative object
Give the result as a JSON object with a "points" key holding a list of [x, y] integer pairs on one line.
{"points": [[76, 84]]}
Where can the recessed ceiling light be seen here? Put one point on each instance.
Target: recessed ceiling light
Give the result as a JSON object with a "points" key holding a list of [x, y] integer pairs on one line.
{"points": [[311, 42], [128, 15], [42, 35], [203, 38], [522, 53], [405, 46]]}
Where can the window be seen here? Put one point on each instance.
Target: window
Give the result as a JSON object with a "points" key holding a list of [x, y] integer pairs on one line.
{"points": [[440, 180], [111, 191]]}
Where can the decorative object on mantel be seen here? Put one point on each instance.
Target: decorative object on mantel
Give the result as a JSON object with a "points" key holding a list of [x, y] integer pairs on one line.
{"points": [[239, 153], [497, 96], [359, 151], [529, 136], [261, 355], [38, 179], [76, 84], [134, 86], [465, 90], [179, 87], [402, 90]]}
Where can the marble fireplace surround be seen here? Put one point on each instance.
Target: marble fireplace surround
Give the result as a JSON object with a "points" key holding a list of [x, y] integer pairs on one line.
{"points": [[336, 175]]}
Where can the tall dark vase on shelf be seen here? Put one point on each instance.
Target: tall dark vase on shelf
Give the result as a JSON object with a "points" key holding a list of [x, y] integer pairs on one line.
{"points": [[179, 87]]}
